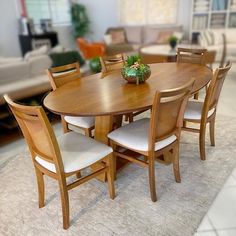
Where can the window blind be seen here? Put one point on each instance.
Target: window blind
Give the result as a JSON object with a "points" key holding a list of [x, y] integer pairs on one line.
{"points": [[56, 10], [141, 12]]}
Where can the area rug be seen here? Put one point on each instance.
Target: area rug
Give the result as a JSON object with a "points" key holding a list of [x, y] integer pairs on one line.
{"points": [[178, 211]]}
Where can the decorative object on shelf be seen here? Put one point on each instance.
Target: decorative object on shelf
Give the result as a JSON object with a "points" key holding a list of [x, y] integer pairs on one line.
{"points": [[95, 65], [46, 25], [173, 41], [80, 20], [134, 71]]}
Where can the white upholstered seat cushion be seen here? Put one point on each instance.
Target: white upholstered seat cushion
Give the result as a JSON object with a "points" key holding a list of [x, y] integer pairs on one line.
{"points": [[194, 110], [78, 152], [135, 136], [84, 122]]}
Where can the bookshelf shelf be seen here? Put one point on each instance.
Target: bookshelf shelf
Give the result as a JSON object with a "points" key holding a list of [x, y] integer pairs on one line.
{"points": [[211, 14]]}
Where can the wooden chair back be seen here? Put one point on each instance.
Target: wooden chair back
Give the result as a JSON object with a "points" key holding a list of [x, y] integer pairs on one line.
{"points": [[150, 59], [37, 131], [215, 87], [111, 63], [189, 55], [167, 113], [61, 75], [210, 58], [224, 52]]}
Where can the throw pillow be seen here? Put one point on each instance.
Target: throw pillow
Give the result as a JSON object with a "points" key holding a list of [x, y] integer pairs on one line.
{"points": [[107, 39], [57, 49], [37, 52], [117, 36], [163, 36]]}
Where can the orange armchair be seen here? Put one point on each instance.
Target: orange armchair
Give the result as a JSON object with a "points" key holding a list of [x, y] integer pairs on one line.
{"points": [[90, 50]]}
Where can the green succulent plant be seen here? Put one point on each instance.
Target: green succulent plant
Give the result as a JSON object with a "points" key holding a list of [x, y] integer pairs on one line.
{"points": [[133, 68]]}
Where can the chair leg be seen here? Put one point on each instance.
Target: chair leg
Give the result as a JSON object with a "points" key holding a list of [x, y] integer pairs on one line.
{"points": [[202, 142], [88, 133], [64, 125], [78, 175], [196, 96], [64, 203], [212, 132], [41, 188], [110, 176], [176, 164], [151, 173], [131, 118]]}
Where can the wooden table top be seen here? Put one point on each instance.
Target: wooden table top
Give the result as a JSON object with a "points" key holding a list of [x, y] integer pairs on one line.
{"points": [[96, 96]]}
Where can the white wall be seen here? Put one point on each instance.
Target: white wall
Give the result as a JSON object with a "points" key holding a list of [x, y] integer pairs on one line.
{"points": [[9, 43], [184, 12], [102, 14]]}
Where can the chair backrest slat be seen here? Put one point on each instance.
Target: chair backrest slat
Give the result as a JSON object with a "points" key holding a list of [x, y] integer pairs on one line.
{"points": [[167, 113], [61, 75], [111, 63], [37, 131], [190, 55], [215, 87]]}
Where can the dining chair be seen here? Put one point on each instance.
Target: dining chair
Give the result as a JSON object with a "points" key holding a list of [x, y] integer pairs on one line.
{"points": [[147, 58], [192, 55], [203, 113], [60, 157], [155, 138], [90, 49], [60, 76], [111, 63]]}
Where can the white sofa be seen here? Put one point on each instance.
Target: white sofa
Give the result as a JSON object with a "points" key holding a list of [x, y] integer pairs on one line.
{"points": [[22, 78], [212, 39], [26, 77]]}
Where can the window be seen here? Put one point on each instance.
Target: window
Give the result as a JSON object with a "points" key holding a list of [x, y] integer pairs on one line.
{"points": [[141, 12], [56, 10]]}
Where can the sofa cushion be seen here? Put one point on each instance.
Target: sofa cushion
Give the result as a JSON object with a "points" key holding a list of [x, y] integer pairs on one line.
{"points": [[14, 72], [230, 36], [163, 36], [10, 60], [39, 64], [25, 88], [37, 52], [134, 34], [136, 46], [150, 33], [218, 36], [117, 37]]}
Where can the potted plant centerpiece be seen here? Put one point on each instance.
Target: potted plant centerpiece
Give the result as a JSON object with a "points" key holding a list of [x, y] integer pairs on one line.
{"points": [[173, 41], [134, 71]]}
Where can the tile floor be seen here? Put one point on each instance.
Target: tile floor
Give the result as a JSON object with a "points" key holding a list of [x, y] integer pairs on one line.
{"points": [[220, 219]]}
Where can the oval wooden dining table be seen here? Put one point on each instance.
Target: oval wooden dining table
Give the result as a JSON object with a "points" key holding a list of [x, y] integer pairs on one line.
{"points": [[105, 97], [112, 95]]}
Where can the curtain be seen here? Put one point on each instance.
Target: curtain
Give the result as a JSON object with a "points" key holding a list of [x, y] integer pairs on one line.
{"points": [[141, 12]]}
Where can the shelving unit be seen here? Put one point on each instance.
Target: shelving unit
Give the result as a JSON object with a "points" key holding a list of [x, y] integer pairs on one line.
{"points": [[211, 14]]}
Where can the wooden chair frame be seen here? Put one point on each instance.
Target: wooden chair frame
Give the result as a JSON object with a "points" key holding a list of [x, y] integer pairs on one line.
{"points": [[210, 102], [192, 55], [36, 115], [66, 74], [111, 63], [168, 154]]}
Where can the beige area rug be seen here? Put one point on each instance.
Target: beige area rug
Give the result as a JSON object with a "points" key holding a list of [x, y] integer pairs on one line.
{"points": [[178, 211]]}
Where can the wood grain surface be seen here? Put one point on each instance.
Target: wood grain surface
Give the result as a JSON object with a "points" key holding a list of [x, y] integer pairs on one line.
{"points": [[97, 96]]}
